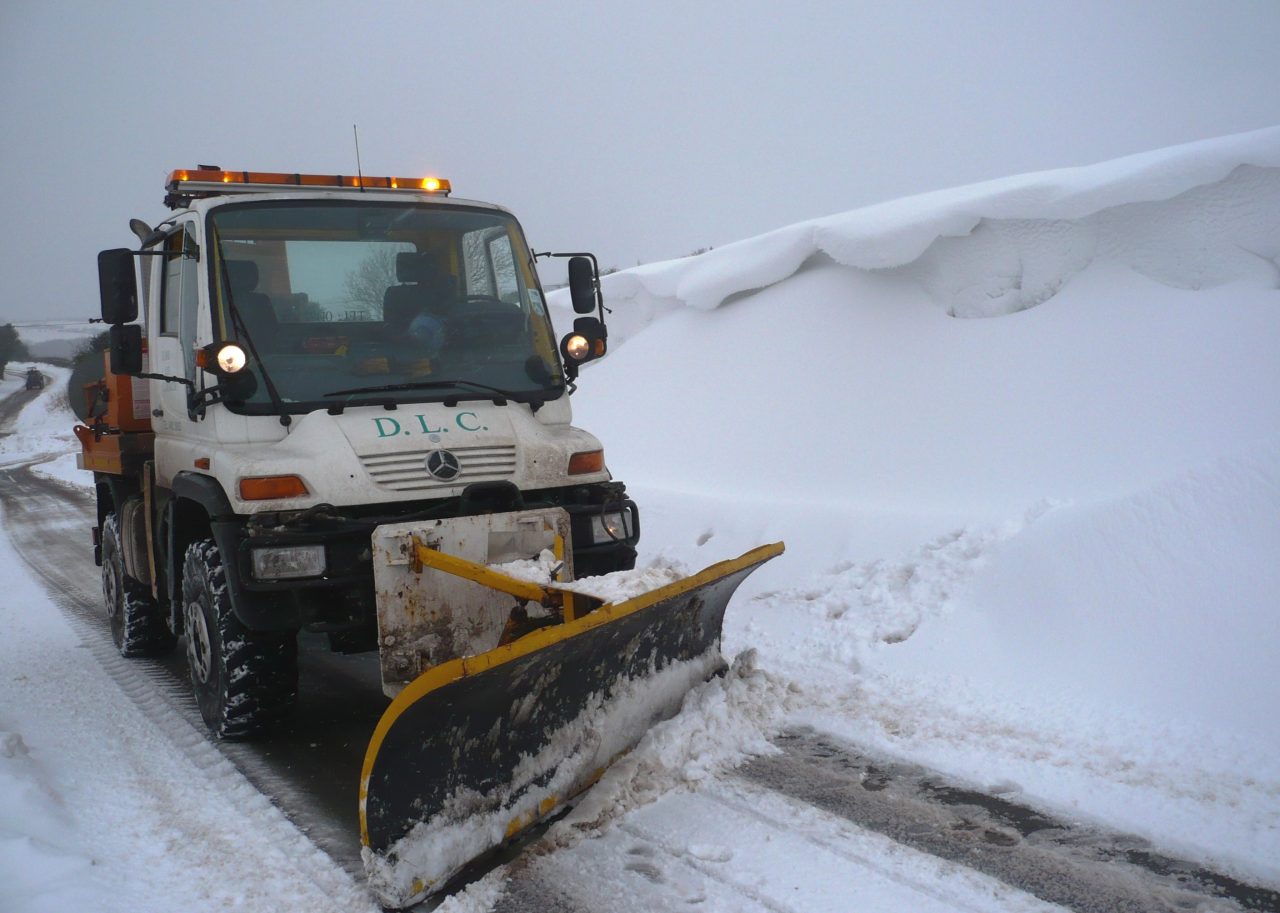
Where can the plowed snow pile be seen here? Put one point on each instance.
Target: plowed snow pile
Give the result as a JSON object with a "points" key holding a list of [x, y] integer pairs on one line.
{"points": [[1023, 442]]}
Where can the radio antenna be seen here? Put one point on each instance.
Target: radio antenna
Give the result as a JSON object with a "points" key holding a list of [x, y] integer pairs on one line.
{"points": [[359, 173]]}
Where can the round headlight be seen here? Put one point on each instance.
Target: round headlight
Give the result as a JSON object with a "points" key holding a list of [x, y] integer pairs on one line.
{"points": [[231, 358], [577, 347]]}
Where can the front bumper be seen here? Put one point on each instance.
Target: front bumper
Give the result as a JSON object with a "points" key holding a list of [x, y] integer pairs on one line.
{"points": [[341, 600]]}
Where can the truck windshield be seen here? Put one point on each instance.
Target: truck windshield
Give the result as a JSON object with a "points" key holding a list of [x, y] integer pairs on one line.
{"points": [[381, 299]]}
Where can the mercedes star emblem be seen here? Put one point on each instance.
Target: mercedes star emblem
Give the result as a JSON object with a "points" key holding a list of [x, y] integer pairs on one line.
{"points": [[443, 465]]}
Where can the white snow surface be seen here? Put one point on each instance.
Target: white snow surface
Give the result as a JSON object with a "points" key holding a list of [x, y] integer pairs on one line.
{"points": [[43, 429], [1038, 549], [105, 808], [615, 587]]}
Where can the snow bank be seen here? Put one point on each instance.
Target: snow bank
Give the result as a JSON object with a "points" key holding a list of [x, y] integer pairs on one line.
{"points": [[1113, 660], [1190, 216], [852, 392], [1165, 599], [1037, 551]]}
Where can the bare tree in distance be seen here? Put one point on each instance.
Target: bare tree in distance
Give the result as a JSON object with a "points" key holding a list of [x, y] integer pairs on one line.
{"points": [[368, 282]]}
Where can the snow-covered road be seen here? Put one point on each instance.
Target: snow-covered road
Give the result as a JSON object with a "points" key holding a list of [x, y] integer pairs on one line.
{"points": [[308, 771], [814, 826]]}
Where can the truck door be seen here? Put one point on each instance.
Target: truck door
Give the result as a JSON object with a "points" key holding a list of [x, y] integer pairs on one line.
{"points": [[172, 349]]}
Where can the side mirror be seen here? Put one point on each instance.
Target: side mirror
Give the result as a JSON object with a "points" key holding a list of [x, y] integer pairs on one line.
{"points": [[125, 342], [117, 286], [582, 284]]}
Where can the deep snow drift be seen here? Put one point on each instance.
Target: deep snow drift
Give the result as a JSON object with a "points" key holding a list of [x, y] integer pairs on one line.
{"points": [[1040, 547]]}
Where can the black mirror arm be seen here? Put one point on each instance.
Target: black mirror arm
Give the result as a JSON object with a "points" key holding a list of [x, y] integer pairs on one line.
{"points": [[198, 401], [595, 269], [173, 380], [194, 409]]}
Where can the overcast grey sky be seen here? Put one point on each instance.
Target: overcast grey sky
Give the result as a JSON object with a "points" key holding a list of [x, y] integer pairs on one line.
{"points": [[638, 130]]}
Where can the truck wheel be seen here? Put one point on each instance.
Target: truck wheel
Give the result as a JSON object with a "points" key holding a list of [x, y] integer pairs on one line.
{"points": [[137, 626], [245, 681]]}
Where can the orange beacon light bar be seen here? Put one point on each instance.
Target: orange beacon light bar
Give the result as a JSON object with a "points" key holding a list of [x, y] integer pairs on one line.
{"points": [[186, 184]]}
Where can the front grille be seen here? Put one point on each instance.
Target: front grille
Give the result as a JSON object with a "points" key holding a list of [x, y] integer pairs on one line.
{"points": [[407, 470]]}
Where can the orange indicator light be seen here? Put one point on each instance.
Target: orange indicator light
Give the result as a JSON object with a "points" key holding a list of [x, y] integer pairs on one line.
{"points": [[586, 461], [269, 488]]}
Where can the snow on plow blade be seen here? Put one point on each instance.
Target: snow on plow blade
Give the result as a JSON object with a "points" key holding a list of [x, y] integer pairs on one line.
{"points": [[475, 750]]}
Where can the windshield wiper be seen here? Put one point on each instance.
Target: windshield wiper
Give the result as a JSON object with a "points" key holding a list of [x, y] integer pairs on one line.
{"points": [[500, 396], [242, 330]]}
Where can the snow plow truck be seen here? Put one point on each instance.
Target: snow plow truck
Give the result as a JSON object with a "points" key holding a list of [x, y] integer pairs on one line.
{"points": [[342, 408]]}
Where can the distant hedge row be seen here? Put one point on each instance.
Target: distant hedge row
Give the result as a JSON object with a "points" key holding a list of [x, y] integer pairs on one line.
{"points": [[11, 347]]}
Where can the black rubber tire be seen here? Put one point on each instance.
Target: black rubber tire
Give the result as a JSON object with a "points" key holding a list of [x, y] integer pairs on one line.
{"points": [[245, 682], [138, 627]]}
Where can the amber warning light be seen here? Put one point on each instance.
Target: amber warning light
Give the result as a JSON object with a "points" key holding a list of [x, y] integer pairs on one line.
{"points": [[188, 183]]}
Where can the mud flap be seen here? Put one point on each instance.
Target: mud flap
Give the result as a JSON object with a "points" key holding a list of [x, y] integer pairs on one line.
{"points": [[476, 750]]}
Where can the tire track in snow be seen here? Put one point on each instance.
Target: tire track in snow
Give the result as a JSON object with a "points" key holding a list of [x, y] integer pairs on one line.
{"points": [[877, 832], [1087, 869], [48, 525], [733, 845], [864, 851]]}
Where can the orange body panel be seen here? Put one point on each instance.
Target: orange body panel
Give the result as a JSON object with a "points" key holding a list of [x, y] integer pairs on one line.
{"points": [[120, 439], [127, 409], [116, 454]]}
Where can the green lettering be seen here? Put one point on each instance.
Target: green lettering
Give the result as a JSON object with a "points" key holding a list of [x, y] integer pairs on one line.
{"points": [[383, 432]]}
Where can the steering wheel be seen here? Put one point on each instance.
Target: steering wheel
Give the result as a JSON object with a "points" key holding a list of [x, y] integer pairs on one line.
{"points": [[481, 315], [485, 299]]}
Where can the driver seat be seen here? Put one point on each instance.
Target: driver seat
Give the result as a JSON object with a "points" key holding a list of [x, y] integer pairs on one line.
{"points": [[255, 308], [424, 288]]}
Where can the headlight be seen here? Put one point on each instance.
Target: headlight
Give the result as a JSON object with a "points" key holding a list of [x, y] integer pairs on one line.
{"points": [[577, 346], [288, 562], [611, 527], [231, 358]]}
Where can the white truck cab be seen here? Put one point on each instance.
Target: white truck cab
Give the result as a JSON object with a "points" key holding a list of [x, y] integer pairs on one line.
{"points": [[324, 355]]}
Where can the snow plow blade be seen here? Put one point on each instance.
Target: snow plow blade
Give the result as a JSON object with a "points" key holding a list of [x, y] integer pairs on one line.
{"points": [[475, 750]]}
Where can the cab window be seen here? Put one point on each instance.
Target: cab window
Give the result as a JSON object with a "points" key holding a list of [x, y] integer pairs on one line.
{"points": [[179, 298]]}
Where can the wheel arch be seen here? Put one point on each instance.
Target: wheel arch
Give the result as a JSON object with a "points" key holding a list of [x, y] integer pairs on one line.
{"points": [[195, 502], [111, 491], [199, 509]]}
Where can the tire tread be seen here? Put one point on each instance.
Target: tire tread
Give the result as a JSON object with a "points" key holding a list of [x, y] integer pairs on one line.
{"points": [[261, 669]]}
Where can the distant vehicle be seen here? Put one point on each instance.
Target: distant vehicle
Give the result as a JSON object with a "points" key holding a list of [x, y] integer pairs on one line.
{"points": [[35, 380]]}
